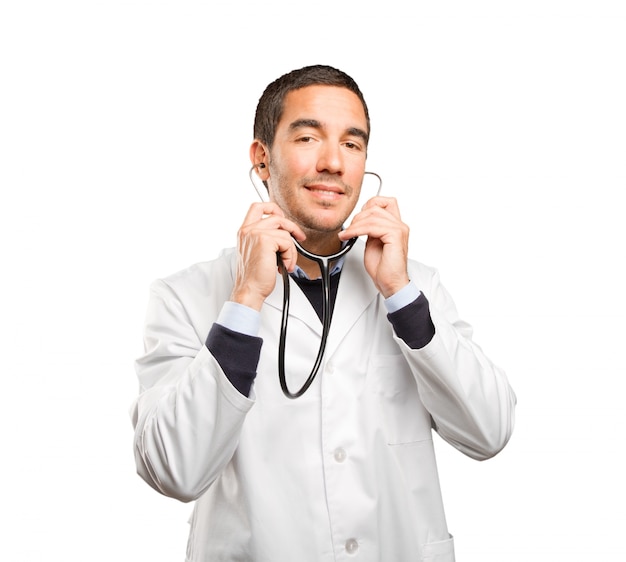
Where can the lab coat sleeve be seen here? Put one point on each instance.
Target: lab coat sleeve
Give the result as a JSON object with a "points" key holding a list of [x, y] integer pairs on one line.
{"points": [[188, 416], [469, 398]]}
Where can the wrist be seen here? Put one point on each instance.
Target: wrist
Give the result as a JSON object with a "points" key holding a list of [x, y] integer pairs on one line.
{"points": [[389, 289], [403, 297], [247, 298]]}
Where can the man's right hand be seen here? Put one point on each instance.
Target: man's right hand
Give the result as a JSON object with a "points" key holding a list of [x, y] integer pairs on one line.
{"points": [[264, 233]]}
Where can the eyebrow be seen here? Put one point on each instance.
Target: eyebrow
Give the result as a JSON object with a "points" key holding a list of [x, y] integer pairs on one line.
{"points": [[315, 124]]}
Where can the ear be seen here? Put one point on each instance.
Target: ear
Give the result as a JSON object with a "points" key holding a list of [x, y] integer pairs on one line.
{"points": [[259, 156]]}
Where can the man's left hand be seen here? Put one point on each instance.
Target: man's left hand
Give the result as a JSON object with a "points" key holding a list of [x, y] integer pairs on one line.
{"points": [[387, 247]]}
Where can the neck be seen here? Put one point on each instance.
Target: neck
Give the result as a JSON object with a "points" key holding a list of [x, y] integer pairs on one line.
{"points": [[321, 244]]}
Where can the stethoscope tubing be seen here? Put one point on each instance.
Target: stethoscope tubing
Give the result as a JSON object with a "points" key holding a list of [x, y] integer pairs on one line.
{"points": [[324, 265]]}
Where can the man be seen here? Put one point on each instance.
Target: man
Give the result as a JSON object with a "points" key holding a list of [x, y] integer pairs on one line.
{"points": [[348, 469]]}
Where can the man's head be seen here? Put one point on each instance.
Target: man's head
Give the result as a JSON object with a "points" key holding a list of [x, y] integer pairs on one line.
{"points": [[271, 104], [312, 150]]}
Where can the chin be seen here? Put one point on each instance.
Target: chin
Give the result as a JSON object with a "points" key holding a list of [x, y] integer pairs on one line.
{"points": [[327, 226], [320, 222]]}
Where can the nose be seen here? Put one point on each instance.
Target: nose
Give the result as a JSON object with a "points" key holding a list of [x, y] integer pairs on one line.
{"points": [[330, 159]]}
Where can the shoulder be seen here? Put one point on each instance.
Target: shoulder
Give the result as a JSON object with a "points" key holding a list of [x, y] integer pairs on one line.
{"points": [[208, 277]]}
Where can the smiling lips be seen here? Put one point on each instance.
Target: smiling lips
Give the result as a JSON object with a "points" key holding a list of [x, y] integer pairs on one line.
{"points": [[325, 191]]}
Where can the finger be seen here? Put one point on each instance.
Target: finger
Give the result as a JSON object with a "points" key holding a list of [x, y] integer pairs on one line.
{"points": [[258, 210], [285, 224], [271, 216], [376, 221], [381, 230], [286, 249], [273, 239], [390, 204], [289, 258]]}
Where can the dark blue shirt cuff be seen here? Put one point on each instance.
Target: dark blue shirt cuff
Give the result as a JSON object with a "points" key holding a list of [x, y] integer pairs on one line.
{"points": [[413, 323], [238, 355]]}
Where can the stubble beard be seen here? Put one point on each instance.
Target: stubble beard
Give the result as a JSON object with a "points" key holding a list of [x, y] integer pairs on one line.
{"points": [[313, 226]]}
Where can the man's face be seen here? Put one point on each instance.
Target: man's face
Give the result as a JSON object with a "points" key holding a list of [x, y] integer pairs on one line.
{"points": [[317, 161]]}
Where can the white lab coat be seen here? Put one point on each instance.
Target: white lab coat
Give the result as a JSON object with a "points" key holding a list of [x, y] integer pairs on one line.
{"points": [[346, 472]]}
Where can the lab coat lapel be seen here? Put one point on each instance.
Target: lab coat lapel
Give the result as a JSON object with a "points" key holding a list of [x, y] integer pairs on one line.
{"points": [[355, 293], [299, 307]]}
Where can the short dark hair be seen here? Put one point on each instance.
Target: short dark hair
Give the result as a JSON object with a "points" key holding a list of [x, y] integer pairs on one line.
{"points": [[271, 104]]}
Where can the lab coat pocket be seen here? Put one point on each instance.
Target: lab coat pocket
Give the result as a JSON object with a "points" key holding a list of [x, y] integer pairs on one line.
{"points": [[404, 417], [440, 551]]}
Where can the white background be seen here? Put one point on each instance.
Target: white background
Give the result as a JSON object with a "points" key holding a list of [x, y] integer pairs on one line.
{"points": [[124, 134]]}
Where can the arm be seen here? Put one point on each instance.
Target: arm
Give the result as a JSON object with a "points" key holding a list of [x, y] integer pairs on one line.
{"points": [[188, 416], [467, 396]]}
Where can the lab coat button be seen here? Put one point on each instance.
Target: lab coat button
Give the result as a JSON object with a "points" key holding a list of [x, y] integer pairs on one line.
{"points": [[352, 546], [330, 368], [340, 454]]}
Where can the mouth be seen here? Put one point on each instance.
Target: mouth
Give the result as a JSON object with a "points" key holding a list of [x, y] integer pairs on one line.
{"points": [[331, 192]]}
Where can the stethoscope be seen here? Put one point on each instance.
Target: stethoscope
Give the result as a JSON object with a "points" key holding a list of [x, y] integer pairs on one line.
{"points": [[324, 264]]}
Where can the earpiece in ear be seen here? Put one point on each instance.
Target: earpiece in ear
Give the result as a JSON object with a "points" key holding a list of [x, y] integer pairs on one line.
{"points": [[261, 165]]}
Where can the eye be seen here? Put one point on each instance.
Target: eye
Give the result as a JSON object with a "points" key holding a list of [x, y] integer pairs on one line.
{"points": [[304, 140], [352, 145]]}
